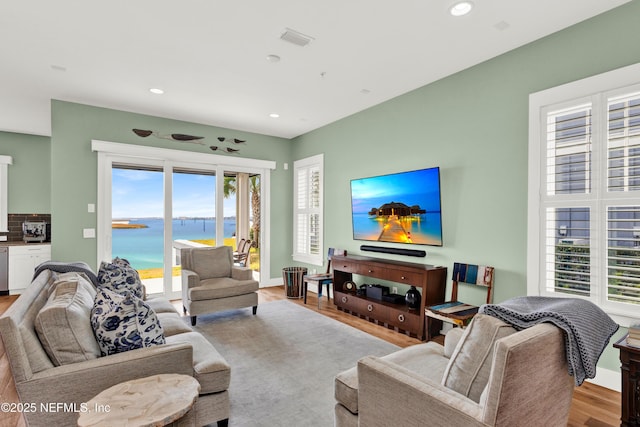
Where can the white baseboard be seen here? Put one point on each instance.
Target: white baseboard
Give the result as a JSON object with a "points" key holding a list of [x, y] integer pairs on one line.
{"points": [[607, 378], [271, 282], [312, 287]]}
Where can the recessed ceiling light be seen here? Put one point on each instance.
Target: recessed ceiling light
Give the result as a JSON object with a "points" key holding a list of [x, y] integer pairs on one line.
{"points": [[274, 115], [461, 8], [156, 91], [58, 68], [273, 58]]}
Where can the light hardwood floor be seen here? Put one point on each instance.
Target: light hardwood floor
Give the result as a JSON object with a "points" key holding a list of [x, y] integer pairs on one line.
{"points": [[592, 406]]}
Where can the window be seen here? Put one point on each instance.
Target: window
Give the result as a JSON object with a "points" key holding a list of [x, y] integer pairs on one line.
{"points": [[584, 192], [308, 210]]}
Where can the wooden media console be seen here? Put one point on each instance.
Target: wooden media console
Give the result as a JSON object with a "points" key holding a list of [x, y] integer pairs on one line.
{"points": [[429, 280]]}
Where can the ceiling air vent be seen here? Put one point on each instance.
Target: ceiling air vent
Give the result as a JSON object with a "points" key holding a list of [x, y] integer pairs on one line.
{"points": [[292, 36]]}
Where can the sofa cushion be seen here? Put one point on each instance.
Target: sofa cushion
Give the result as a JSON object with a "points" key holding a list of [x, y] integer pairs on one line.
{"points": [[63, 324], [119, 277], [57, 278], [21, 331], [172, 323], [426, 360], [212, 262], [160, 304], [470, 365], [123, 322], [451, 340], [209, 367], [222, 287]]}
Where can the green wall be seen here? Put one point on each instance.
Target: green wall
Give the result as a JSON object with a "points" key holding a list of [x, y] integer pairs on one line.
{"points": [[474, 125], [29, 177], [74, 166]]}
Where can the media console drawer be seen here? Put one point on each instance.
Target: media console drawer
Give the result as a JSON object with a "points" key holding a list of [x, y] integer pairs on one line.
{"points": [[362, 306], [403, 319], [349, 301], [376, 311], [346, 266], [371, 270], [403, 276]]}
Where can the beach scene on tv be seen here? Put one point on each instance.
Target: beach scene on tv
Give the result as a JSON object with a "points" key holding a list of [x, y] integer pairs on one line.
{"points": [[398, 208]]}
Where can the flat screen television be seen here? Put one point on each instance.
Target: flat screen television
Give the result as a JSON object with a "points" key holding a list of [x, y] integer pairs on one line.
{"points": [[398, 208]]}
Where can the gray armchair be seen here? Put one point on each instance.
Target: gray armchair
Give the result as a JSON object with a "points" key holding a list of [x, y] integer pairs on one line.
{"points": [[488, 376], [211, 283]]}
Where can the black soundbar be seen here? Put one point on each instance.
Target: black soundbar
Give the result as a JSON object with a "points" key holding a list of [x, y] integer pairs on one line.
{"points": [[395, 251]]}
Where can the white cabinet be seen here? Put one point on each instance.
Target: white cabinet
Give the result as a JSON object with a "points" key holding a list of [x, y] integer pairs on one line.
{"points": [[23, 261]]}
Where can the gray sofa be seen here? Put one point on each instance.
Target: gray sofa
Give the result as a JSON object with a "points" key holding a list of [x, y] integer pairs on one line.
{"points": [[39, 379]]}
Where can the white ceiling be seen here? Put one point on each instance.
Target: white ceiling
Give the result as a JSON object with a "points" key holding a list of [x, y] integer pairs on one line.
{"points": [[210, 55]]}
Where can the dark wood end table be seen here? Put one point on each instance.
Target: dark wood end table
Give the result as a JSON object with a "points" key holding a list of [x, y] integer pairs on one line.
{"points": [[630, 367]]}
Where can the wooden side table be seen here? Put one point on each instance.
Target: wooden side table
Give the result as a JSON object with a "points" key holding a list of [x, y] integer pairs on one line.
{"points": [[157, 400], [630, 367]]}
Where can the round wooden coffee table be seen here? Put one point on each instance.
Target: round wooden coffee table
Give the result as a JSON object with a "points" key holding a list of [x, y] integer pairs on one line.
{"points": [[152, 401]]}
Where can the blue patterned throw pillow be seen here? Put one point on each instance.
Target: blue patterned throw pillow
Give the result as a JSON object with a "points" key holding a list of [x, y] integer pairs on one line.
{"points": [[123, 322], [119, 276]]}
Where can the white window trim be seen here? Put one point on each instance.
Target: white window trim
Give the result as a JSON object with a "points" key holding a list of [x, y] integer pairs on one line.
{"points": [[5, 161], [568, 93], [306, 163], [113, 152]]}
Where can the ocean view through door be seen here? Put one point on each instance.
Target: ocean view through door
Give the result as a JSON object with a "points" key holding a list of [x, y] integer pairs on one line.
{"points": [[138, 220], [151, 243]]}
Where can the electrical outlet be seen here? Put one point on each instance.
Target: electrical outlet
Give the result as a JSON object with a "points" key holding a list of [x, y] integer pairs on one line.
{"points": [[394, 290]]}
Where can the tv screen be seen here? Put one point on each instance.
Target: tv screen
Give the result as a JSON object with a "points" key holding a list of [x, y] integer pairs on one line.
{"points": [[398, 208]]}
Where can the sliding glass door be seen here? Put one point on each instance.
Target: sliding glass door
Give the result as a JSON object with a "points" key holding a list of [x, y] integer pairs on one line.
{"points": [[193, 210], [151, 208], [137, 226], [243, 203]]}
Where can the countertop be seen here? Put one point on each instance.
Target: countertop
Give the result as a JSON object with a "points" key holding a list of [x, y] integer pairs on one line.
{"points": [[21, 243]]}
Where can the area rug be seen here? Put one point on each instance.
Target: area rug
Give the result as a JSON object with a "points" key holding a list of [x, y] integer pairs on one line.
{"points": [[284, 360]]}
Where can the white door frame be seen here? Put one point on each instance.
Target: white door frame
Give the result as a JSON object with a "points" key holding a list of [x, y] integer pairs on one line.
{"points": [[112, 152]]}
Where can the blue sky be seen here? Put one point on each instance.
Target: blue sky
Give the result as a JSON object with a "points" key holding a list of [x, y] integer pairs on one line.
{"points": [[139, 194], [421, 187]]}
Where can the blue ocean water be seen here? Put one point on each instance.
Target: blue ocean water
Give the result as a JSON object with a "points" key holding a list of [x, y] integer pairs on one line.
{"points": [[143, 247]]}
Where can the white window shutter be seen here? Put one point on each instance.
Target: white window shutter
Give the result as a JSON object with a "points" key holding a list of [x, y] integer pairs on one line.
{"points": [[584, 200], [308, 210]]}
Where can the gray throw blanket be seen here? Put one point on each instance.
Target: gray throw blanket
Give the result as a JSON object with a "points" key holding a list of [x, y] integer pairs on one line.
{"points": [[587, 328], [66, 267]]}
